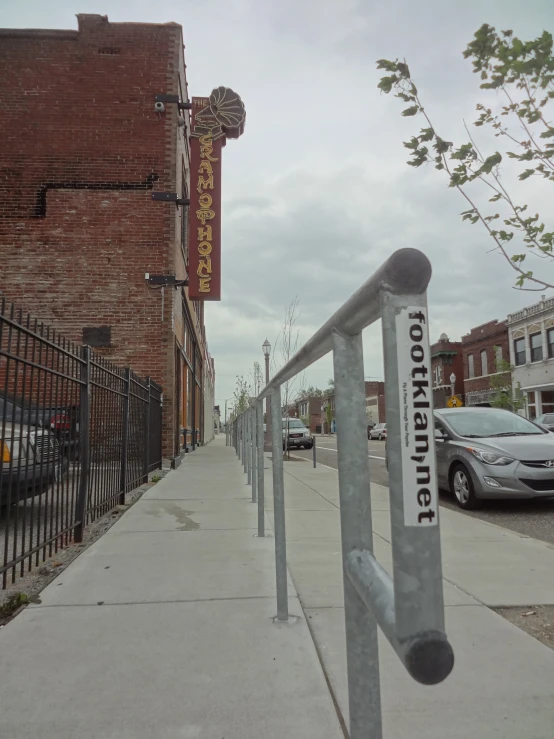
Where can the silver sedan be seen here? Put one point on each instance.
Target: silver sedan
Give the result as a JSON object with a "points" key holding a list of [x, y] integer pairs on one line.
{"points": [[492, 453]]}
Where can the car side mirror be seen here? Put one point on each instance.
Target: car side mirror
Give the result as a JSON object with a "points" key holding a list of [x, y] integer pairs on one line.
{"points": [[440, 435]]}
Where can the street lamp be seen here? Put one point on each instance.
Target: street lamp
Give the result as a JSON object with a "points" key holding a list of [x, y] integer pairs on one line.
{"points": [[452, 384], [266, 348]]}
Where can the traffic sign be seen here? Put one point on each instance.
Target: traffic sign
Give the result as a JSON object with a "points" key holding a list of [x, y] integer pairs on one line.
{"points": [[454, 401]]}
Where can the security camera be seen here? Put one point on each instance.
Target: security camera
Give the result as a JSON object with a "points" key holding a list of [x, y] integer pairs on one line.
{"points": [[159, 107]]}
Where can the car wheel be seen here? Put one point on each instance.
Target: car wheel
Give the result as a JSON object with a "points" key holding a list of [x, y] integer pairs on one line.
{"points": [[461, 486]]}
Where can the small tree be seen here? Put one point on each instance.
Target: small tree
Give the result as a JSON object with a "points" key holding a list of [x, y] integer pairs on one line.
{"points": [[241, 396], [257, 379], [329, 415], [287, 344], [501, 383], [522, 72]]}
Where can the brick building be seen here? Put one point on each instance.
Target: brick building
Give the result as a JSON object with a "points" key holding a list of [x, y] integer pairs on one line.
{"points": [[309, 410], [446, 360], [531, 340], [375, 402], [82, 150], [482, 347]]}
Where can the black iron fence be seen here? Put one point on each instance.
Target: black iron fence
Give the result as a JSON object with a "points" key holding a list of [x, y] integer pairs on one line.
{"points": [[76, 434]]}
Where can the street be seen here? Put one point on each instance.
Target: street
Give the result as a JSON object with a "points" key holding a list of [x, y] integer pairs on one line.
{"points": [[533, 518]]}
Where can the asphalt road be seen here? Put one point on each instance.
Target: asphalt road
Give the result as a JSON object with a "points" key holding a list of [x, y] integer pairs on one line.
{"points": [[533, 518]]}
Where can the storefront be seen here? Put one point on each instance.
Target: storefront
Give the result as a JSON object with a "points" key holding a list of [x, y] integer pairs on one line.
{"points": [[188, 396], [539, 401]]}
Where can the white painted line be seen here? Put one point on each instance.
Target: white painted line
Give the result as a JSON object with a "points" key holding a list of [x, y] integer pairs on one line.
{"points": [[371, 456]]}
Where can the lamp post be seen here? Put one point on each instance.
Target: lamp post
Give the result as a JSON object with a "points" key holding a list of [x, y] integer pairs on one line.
{"points": [[452, 384], [266, 348]]}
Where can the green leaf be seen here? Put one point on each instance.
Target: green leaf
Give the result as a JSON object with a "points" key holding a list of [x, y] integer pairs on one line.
{"points": [[547, 134], [403, 70], [441, 146], [410, 111], [495, 198], [386, 83], [385, 64], [426, 134], [525, 175], [413, 143]]}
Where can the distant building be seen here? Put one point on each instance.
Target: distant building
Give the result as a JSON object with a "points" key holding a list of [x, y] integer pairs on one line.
{"points": [[531, 342], [375, 402], [482, 348], [309, 410], [446, 360], [217, 419]]}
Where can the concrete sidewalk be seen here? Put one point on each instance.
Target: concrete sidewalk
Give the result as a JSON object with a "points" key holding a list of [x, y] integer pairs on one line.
{"points": [[163, 628], [502, 686]]}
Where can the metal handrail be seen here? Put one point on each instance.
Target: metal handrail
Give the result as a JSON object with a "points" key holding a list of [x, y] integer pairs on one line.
{"points": [[409, 607], [407, 271]]}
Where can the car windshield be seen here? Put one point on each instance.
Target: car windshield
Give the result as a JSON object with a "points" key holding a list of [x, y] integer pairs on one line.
{"points": [[477, 423], [293, 423], [547, 418]]}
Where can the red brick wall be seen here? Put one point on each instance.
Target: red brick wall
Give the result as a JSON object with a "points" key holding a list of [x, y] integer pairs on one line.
{"points": [[81, 150], [484, 337], [450, 364]]}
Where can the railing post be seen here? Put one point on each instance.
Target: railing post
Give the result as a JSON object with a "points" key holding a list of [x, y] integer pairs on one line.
{"points": [[244, 442], [248, 446], [279, 506], [147, 441], [84, 445], [125, 443], [362, 655], [260, 466], [314, 453], [255, 443], [416, 550]]}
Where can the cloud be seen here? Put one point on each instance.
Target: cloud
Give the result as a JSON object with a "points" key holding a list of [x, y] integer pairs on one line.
{"points": [[317, 193]]}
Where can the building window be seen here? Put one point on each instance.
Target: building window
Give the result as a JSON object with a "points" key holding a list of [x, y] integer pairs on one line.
{"points": [[547, 401], [532, 405], [438, 375], [536, 347], [471, 368], [519, 351], [498, 356], [484, 366], [550, 340]]}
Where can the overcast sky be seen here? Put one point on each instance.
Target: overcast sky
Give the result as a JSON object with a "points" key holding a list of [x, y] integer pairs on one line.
{"points": [[316, 193]]}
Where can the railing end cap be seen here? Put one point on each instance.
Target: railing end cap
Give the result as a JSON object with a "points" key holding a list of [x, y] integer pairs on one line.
{"points": [[407, 271]]}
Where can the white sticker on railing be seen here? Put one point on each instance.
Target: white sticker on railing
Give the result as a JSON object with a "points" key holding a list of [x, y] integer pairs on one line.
{"points": [[417, 436]]}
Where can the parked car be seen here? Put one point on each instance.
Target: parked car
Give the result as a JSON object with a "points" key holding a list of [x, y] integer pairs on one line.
{"points": [[378, 432], [63, 422], [296, 435], [492, 453], [546, 420], [30, 460]]}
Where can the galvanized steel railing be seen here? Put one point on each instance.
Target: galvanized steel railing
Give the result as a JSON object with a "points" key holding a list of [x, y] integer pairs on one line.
{"points": [[408, 607]]}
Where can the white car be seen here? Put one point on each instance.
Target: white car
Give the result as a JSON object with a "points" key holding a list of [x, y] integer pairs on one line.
{"points": [[379, 432]]}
